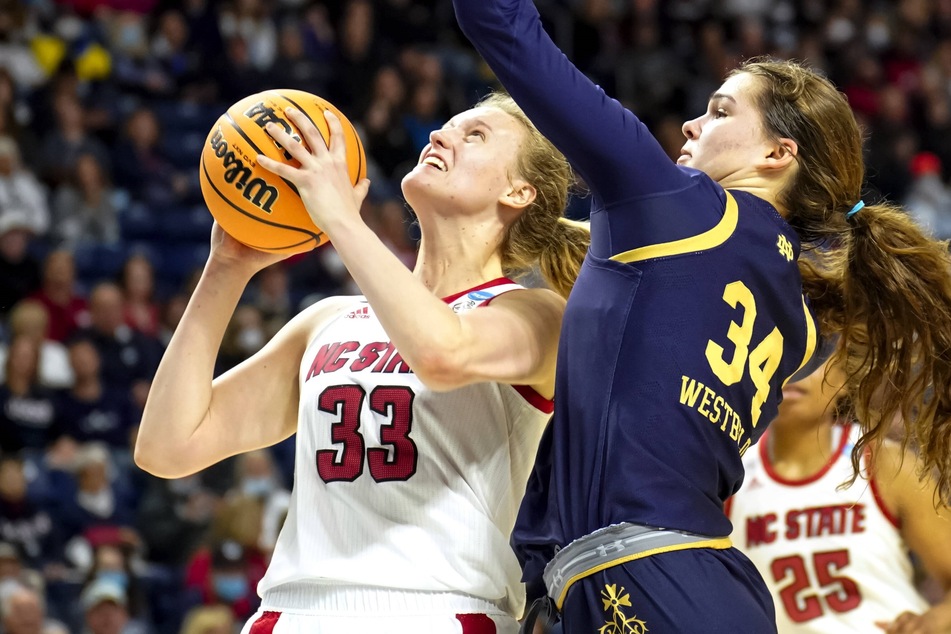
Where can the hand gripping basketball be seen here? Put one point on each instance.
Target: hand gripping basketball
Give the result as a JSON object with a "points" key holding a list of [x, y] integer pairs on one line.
{"points": [[322, 178], [252, 204]]}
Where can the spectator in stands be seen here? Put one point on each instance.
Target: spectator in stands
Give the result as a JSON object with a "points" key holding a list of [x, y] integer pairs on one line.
{"points": [[28, 411], [172, 313], [12, 568], [251, 21], [66, 308], [19, 270], [426, 113], [23, 611], [112, 563], [245, 335], [270, 294], [260, 481], [137, 280], [128, 357], [387, 142], [105, 610], [30, 319], [174, 515], [141, 165], [294, 68], [69, 139], [20, 191], [94, 496], [23, 523], [84, 206], [226, 574], [360, 53], [929, 199], [178, 63], [14, 119], [391, 222], [91, 410]]}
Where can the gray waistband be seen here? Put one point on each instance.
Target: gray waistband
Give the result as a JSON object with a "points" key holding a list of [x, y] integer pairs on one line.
{"points": [[606, 546]]}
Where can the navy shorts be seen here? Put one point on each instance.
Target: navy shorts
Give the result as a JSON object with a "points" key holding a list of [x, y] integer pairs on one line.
{"points": [[698, 590]]}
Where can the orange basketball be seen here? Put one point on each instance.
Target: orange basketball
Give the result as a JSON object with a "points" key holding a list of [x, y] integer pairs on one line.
{"points": [[255, 206]]}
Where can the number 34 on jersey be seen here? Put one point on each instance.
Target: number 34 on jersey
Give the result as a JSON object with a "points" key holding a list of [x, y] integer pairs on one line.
{"points": [[757, 361]]}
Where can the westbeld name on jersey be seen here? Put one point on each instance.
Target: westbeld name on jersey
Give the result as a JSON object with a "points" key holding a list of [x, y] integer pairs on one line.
{"points": [[714, 408]]}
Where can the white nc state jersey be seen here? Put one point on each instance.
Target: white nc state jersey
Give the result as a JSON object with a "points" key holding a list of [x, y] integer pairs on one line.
{"points": [[399, 486], [833, 559]]}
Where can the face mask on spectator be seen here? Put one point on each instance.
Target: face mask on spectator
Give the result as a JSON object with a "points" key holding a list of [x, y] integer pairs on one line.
{"points": [[230, 587], [118, 577], [257, 487]]}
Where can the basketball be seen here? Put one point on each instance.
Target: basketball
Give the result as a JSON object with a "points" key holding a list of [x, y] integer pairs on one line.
{"points": [[253, 205]]}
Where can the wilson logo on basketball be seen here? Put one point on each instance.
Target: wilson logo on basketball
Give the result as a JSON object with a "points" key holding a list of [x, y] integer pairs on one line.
{"points": [[238, 175], [262, 115]]}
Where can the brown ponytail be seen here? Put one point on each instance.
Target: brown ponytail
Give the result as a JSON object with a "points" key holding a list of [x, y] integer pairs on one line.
{"points": [[875, 279], [894, 319]]}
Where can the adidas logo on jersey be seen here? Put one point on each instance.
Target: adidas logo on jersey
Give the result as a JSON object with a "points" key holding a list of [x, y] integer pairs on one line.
{"points": [[360, 313]]}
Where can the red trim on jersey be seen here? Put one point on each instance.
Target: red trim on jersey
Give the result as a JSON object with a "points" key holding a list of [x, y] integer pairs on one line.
{"points": [[879, 500], [265, 623], [535, 399], [768, 467], [496, 282], [476, 624]]}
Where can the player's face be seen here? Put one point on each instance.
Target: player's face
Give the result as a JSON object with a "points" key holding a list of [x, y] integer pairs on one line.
{"points": [[727, 142], [468, 164], [812, 400]]}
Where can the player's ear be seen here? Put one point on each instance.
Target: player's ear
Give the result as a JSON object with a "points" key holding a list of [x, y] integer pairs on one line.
{"points": [[519, 195], [781, 154]]}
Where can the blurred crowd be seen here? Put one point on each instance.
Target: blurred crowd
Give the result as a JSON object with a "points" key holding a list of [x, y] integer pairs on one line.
{"points": [[104, 107]]}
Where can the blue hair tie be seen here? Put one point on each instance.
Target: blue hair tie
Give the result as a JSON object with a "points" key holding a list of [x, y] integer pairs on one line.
{"points": [[856, 209]]}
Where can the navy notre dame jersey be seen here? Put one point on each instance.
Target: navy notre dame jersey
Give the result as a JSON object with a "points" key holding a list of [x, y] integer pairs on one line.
{"points": [[686, 320], [671, 365]]}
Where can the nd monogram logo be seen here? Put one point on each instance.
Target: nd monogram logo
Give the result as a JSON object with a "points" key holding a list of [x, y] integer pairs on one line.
{"points": [[613, 600], [785, 248]]}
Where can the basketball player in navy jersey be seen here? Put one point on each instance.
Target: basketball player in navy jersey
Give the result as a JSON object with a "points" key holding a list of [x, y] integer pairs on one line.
{"points": [[691, 311], [836, 559], [417, 408]]}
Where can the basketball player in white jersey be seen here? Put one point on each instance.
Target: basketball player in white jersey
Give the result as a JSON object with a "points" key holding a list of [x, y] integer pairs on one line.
{"points": [[837, 560], [418, 407]]}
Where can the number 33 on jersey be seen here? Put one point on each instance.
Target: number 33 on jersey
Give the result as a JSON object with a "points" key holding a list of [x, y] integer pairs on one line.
{"points": [[388, 471]]}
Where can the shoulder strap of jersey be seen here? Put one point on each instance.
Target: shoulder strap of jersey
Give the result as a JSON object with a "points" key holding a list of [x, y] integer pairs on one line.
{"points": [[482, 296]]}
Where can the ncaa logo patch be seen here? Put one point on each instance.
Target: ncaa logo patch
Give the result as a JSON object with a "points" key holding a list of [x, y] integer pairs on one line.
{"points": [[479, 296]]}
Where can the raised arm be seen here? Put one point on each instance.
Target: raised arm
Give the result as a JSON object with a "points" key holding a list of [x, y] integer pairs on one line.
{"points": [[191, 422], [514, 340], [606, 144]]}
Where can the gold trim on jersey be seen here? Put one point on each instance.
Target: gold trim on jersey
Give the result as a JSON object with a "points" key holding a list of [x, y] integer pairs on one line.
{"points": [[810, 340], [710, 238], [719, 543]]}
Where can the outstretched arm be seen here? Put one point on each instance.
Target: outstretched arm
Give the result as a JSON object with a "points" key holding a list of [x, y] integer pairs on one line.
{"points": [[608, 146]]}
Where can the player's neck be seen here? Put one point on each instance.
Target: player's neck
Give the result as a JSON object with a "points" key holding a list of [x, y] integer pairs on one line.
{"points": [[796, 454], [453, 265]]}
